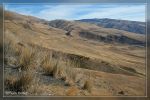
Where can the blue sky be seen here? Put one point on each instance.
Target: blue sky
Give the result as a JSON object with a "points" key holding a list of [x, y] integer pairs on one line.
{"points": [[134, 12]]}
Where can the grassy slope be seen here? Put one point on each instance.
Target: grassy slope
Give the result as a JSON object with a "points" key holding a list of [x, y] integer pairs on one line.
{"points": [[116, 55]]}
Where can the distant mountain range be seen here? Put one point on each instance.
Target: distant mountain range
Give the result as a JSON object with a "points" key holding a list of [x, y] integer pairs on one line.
{"points": [[130, 26]]}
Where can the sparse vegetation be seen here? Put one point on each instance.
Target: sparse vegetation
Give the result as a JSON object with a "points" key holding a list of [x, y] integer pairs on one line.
{"points": [[78, 60], [72, 91], [18, 84], [48, 66], [69, 82], [88, 85], [51, 67], [58, 68], [26, 59], [121, 92], [130, 69], [43, 60]]}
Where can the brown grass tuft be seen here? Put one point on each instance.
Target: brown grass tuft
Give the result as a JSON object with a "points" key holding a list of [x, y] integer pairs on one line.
{"points": [[50, 66], [88, 85], [26, 58], [18, 84], [47, 67], [69, 82]]}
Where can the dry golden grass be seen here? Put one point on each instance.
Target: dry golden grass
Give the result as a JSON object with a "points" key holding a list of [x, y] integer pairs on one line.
{"points": [[9, 47], [58, 68], [72, 91], [69, 82], [54, 66], [26, 58], [10, 82], [55, 40], [19, 84], [88, 85], [49, 66]]}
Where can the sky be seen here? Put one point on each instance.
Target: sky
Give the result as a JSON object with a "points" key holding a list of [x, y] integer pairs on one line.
{"points": [[133, 12]]}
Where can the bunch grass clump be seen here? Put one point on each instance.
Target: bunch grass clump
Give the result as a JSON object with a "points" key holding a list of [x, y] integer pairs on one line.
{"points": [[19, 84], [26, 59], [87, 85], [50, 66]]}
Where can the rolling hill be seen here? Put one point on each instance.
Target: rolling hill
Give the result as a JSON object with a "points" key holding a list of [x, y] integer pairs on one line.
{"points": [[71, 58], [97, 33], [130, 26]]}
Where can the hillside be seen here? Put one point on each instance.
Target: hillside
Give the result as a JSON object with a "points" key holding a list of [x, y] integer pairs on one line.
{"points": [[130, 26], [97, 33], [69, 58]]}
